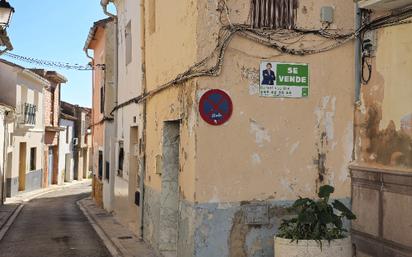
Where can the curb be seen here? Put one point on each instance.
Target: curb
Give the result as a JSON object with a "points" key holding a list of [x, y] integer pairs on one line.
{"points": [[113, 247], [10, 221], [47, 190]]}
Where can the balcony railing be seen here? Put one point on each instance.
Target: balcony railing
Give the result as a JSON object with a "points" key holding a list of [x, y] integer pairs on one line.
{"points": [[29, 114]]}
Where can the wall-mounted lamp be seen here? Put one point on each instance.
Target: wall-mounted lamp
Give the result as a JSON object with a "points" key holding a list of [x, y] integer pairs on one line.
{"points": [[6, 12]]}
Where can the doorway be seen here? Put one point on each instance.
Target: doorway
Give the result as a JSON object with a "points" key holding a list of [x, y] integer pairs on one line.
{"points": [[50, 165], [22, 166], [85, 170], [169, 197], [67, 167]]}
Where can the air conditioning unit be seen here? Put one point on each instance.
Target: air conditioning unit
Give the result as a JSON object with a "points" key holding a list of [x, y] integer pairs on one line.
{"points": [[75, 141], [383, 5]]}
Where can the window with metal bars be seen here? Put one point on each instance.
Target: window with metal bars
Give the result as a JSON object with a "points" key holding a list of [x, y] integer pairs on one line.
{"points": [[29, 114], [273, 14]]}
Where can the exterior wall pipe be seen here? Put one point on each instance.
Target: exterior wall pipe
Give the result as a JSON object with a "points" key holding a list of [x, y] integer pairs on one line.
{"points": [[92, 113], [144, 86], [358, 20], [104, 4]]}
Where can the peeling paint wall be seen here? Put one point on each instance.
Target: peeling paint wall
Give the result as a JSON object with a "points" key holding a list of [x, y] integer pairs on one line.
{"points": [[384, 118], [271, 150], [285, 145], [381, 174]]}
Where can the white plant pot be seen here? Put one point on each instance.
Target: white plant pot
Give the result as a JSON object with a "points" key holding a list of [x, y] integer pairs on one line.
{"points": [[311, 248]]}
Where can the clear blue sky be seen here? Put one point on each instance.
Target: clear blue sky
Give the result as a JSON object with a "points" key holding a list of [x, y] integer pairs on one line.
{"points": [[56, 30]]}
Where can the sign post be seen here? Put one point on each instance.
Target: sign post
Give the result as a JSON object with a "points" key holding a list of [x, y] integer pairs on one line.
{"points": [[284, 79]]}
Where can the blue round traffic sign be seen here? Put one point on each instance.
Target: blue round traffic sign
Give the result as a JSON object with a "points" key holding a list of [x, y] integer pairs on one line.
{"points": [[215, 107]]}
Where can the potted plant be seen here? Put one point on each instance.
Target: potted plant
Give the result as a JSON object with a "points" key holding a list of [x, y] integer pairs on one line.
{"points": [[317, 230]]}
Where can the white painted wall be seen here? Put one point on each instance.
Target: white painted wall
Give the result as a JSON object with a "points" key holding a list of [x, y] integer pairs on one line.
{"points": [[29, 89], [65, 147], [2, 152], [129, 86]]}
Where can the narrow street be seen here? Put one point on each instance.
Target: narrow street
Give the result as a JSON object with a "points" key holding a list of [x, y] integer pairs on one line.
{"points": [[53, 225], [206, 128]]}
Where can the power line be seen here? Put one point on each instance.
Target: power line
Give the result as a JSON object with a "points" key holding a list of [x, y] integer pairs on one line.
{"points": [[53, 64]]}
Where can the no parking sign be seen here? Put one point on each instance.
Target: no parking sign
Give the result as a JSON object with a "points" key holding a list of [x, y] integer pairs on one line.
{"points": [[215, 107]]}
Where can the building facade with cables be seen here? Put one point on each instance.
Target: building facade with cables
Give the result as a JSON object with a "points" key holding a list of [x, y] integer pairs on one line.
{"points": [[381, 172], [223, 190], [100, 47], [228, 111]]}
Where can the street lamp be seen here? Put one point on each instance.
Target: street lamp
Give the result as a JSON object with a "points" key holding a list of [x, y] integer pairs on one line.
{"points": [[6, 11]]}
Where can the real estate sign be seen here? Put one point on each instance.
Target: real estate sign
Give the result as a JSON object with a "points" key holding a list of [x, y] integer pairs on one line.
{"points": [[284, 79]]}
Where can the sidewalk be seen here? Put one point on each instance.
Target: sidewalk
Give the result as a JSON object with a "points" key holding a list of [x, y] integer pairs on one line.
{"points": [[120, 241], [25, 197], [6, 211], [12, 207]]}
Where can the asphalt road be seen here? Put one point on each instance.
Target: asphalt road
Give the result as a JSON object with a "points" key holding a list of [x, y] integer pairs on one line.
{"points": [[53, 226]]}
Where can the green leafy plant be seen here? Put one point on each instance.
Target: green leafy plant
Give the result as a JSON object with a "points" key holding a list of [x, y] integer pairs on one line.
{"points": [[317, 220]]}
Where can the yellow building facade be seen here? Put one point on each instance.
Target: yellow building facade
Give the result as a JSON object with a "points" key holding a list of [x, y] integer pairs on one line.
{"points": [[223, 190], [191, 188]]}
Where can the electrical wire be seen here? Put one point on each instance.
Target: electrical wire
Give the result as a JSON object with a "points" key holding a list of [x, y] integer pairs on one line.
{"points": [[281, 40], [366, 79], [272, 39], [53, 64]]}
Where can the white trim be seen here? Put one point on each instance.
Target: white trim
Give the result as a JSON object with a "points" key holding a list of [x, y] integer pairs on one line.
{"points": [[35, 77]]}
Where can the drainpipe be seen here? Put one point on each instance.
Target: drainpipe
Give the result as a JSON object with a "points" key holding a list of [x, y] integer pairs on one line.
{"points": [[92, 115], [144, 137], [104, 4], [358, 21]]}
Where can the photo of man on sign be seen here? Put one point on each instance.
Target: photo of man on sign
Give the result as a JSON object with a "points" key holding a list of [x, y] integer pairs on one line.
{"points": [[268, 75]]}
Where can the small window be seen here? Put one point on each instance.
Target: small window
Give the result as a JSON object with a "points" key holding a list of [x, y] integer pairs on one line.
{"points": [[152, 16], [33, 158], [273, 14], [121, 160], [128, 39], [101, 99]]}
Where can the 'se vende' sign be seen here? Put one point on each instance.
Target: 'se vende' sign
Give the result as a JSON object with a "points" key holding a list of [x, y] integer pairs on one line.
{"points": [[284, 79]]}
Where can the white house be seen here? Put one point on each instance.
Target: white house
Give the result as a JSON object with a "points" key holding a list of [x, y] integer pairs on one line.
{"points": [[6, 127], [22, 89]]}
